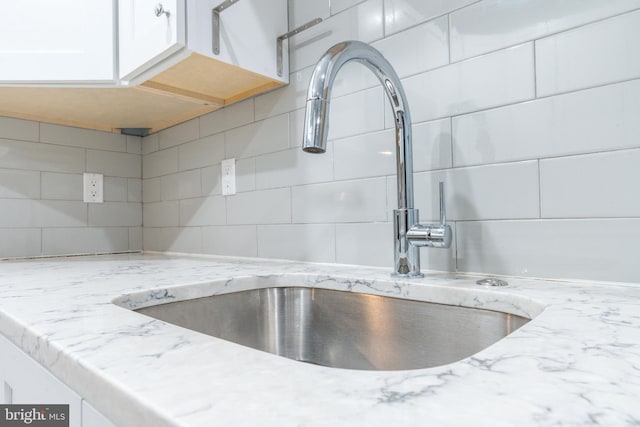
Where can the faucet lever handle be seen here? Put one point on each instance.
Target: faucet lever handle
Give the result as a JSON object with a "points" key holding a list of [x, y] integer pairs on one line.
{"points": [[443, 211], [432, 235]]}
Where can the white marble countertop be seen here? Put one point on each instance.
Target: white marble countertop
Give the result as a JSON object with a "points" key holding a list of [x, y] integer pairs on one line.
{"points": [[576, 363]]}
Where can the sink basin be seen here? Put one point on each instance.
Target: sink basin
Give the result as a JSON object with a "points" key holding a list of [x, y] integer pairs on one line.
{"points": [[342, 329]]}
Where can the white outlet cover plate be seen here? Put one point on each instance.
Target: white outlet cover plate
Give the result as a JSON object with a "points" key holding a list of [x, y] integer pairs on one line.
{"points": [[93, 188], [228, 177]]}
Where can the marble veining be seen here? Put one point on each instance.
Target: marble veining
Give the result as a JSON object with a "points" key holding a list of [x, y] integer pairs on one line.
{"points": [[576, 363]]}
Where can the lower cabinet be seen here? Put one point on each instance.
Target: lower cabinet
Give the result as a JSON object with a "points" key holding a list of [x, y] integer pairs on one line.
{"points": [[25, 381], [92, 418]]}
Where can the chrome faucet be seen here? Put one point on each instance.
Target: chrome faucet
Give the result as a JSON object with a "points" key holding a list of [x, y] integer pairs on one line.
{"points": [[409, 235]]}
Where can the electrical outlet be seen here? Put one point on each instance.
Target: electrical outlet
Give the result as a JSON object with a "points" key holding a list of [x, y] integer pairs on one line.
{"points": [[93, 188], [228, 177]]}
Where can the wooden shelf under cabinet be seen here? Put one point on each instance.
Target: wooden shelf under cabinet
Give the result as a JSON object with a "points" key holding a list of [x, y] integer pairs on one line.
{"points": [[191, 88]]}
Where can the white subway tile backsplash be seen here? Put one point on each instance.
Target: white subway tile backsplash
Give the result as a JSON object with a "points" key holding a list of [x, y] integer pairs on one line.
{"points": [[226, 118], [494, 24], [61, 186], [152, 190], [58, 213], [189, 184], [260, 207], [495, 79], [211, 177], [173, 239], [114, 164], [115, 189], [84, 138], [25, 130], [19, 184], [41, 190], [134, 190], [296, 127], [344, 201], [502, 191], [597, 54], [365, 244], [282, 101], [362, 156], [353, 77], [551, 248], [115, 214], [604, 118], [161, 214], [135, 238], [235, 240], [402, 14], [134, 144], [469, 71], [362, 22], [152, 240], [417, 49], [591, 186], [41, 157], [206, 151], [22, 213], [374, 154], [245, 175], [292, 167], [183, 239], [18, 213], [182, 185], [357, 113], [432, 145], [150, 144], [160, 163], [20, 242], [311, 242], [178, 134], [63, 241], [202, 211], [261, 137]]}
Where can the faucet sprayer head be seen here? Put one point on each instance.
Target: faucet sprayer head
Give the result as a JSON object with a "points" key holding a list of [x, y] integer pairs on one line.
{"points": [[316, 126]]}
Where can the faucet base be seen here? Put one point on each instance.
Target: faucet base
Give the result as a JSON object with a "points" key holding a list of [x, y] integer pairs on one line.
{"points": [[407, 275], [406, 257]]}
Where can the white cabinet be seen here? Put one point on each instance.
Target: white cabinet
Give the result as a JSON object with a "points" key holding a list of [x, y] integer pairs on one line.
{"points": [[30, 383], [167, 71], [247, 36], [62, 41], [248, 33], [92, 418], [23, 380], [149, 31]]}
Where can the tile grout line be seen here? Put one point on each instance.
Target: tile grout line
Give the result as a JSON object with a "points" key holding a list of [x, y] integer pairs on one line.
{"points": [[455, 252], [384, 21], [535, 70], [539, 190], [449, 37], [452, 142]]}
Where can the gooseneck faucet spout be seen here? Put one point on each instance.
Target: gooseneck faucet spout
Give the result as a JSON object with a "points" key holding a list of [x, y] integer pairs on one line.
{"points": [[409, 235]]}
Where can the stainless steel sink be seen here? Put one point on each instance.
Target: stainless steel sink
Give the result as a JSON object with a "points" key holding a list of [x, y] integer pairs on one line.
{"points": [[342, 329]]}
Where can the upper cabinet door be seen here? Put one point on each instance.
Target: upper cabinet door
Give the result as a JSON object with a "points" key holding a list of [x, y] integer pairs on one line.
{"points": [[149, 31], [44, 41]]}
